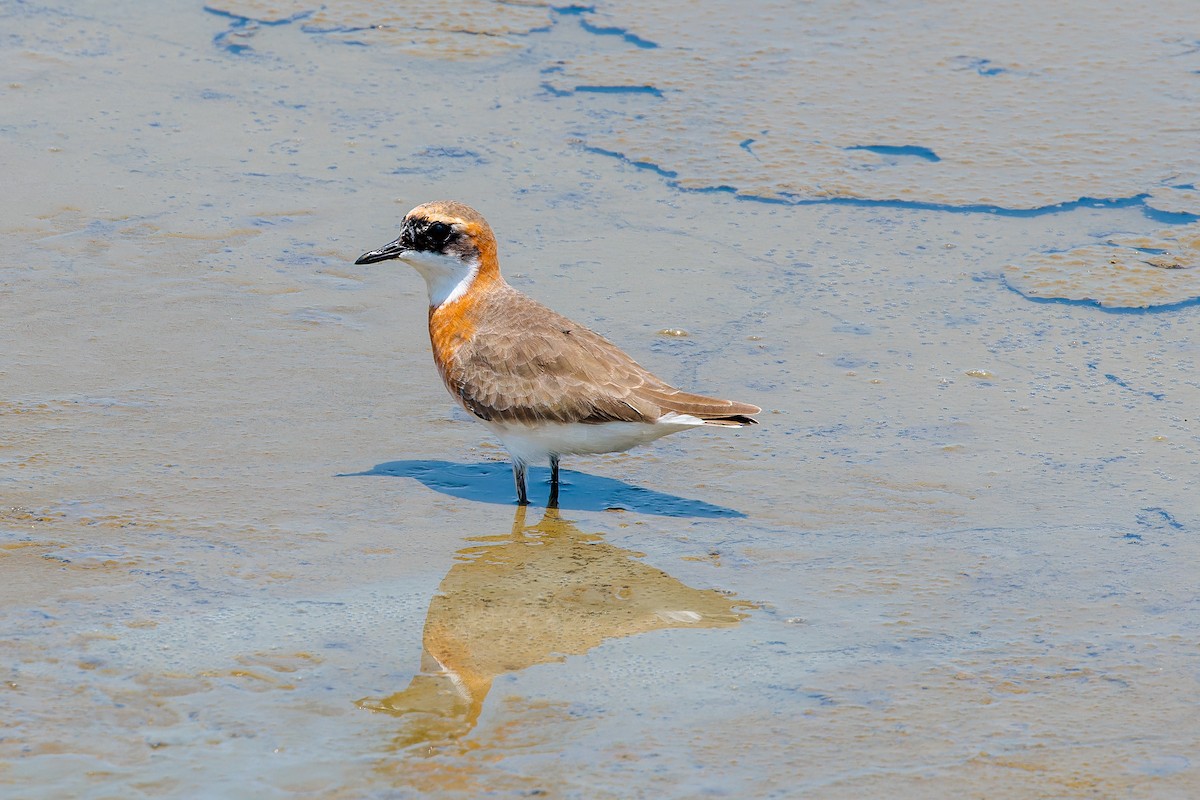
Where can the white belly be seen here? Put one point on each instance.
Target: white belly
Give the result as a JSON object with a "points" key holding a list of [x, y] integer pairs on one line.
{"points": [[533, 444]]}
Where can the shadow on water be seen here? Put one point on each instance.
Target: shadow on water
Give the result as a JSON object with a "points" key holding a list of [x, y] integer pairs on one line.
{"points": [[533, 596], [492, 482]]}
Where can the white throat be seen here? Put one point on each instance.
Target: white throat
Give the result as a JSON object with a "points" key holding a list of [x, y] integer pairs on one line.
{"points": [[446, 277]]}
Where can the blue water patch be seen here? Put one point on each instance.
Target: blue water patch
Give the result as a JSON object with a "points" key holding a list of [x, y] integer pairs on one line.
{"points": [[916, 151], [982, 66], [1195, 301], [620, 90], [1000, 211], [221, 40], [655, 168], [1155, 517], [597, 30], [244, 20], [1174, 217], [241, 25], [786, 198], [1114, 379], [492, 482], [632, 38], [1170, 217], [1095, 367], [748, 144], [555, 92]]}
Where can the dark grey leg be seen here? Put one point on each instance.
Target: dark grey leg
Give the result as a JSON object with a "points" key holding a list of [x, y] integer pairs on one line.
{"points": [[519, 480], [553, 501]]}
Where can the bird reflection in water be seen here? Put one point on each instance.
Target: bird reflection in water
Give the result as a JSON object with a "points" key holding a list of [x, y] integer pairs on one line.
{"points": [[533, 596]]}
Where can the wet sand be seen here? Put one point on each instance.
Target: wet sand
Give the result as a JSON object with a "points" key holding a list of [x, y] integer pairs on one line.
{"points": [[248, 548]]}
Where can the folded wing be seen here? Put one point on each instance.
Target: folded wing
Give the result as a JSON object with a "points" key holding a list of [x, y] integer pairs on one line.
{"points": [[557, 371]]}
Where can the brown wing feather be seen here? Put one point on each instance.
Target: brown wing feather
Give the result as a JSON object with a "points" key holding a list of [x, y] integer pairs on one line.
{"points": [[504, 377], [709, 409]]}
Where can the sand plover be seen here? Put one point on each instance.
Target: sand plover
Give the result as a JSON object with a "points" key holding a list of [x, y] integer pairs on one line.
{"points": [[544, 385]]}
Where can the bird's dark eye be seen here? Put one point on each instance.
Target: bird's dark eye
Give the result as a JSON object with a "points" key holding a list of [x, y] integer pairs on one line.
{"points": [[428, 237], [439, 233]]}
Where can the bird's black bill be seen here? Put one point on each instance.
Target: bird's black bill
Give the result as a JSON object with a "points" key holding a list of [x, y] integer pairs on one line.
{"points": [[389, 250]]}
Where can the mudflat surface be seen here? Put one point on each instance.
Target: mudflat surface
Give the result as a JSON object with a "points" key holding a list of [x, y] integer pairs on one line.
{"points": [[248, 548]]}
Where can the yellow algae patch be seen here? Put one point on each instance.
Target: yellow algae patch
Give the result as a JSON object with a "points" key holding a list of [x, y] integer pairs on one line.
{"points": [[467, 29], [20, 516], [1015, 105], [26, 574], [280, 662], [1128, 272]]}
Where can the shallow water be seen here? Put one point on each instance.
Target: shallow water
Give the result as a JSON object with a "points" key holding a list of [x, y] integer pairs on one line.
{"points": [[247, 549]]}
